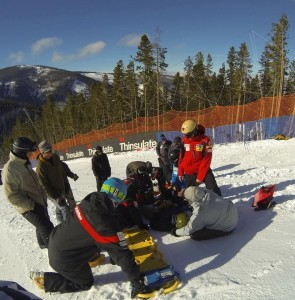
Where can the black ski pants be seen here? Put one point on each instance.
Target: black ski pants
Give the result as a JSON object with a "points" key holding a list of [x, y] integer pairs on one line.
{"points": [[80, 279], [40, 219], [210, 182]]}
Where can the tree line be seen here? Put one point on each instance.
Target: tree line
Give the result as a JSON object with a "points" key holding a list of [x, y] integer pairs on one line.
{"points": [[138, 88]]}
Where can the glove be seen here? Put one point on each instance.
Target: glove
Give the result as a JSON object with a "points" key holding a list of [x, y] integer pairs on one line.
{"points": [[138, 287], [145, 227], [173, 232], [75, 177], [61, 201]]}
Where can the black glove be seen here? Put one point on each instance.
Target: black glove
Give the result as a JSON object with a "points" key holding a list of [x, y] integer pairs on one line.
{"points": [[144, 227], [75, 177], [173, 232], [138, 287], [61, 201]]}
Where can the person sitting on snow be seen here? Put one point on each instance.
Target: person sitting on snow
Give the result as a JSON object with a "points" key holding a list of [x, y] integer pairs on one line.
{"points": [[92, 226], [213, 216]]}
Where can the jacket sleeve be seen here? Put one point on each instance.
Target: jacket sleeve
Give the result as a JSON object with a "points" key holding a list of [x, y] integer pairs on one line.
{"points": [[67, 170], [195, 223], [158, 148], [94, 165], [13, 193], [108, 171]]}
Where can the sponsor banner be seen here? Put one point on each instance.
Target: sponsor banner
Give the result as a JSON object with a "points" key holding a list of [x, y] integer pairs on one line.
{"points": [[136, 142]]}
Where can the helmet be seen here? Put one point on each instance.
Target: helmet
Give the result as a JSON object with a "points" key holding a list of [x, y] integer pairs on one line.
{"points": [[22, 145], [149, 166], [115, 188], [174, 155], [188, 126], [181, 220], [142, 171]]}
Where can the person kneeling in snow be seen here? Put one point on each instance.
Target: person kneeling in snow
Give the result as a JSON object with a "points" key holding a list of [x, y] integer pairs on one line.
{"points": [[90, 228], [212, 215]]}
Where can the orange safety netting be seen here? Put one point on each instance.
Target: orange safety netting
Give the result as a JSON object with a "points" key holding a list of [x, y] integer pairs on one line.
{"points": [[214, 116]]}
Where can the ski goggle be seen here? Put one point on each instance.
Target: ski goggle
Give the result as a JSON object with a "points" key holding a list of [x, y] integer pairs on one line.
{"points": [[113, 191]]}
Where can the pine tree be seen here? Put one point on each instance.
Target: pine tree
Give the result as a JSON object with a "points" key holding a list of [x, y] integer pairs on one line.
{"points": [[160, 66], [290, 84], [243, 71], [177, 93], [220, 89], [199, 78], [231, 76], [119, 103], [188, 84], [274, 60], [132, 91], [146, 67]]}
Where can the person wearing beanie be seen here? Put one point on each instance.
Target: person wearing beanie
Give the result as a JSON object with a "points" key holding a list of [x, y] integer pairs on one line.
{"points": [[52, 176], [23, 190], [213, 216], [100, 166]]}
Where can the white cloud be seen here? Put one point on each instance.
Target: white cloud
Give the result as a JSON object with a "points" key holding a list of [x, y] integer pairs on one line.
{"points": [[130, 40], [88, 50], [45, 43], [91, 49], [16, 57], [57, 57]]}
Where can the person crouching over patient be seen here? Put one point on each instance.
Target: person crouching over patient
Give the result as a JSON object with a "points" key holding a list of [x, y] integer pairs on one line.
{"points": [[213, 216]]}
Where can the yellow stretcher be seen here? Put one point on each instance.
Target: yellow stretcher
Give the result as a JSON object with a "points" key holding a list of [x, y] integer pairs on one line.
{"points": [[159, 274]]}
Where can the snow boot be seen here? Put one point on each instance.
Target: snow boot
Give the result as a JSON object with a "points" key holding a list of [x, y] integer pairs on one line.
{"points": [[96, 260], [38, 279]]}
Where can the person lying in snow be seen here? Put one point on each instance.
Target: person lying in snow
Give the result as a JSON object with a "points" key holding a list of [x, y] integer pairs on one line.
{"points": [[213, 216], [90, 228]]}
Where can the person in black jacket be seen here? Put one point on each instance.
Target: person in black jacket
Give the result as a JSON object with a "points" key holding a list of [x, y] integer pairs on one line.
{"points": [[92, 227], [133, 166], [100, 166], [162, 150]]}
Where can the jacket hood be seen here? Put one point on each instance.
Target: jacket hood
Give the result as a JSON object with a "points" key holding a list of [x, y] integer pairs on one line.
{"points": [[97, 203]]}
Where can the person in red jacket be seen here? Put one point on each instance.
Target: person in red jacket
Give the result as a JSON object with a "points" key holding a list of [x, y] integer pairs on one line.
{"points": [[194, 166]]}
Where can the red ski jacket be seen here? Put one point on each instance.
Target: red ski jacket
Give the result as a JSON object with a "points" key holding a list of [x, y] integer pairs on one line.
{"points": [[197, 157]]}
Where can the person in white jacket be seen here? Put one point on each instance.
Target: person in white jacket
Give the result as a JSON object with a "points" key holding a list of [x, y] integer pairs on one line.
{"points": [[213, 216]]}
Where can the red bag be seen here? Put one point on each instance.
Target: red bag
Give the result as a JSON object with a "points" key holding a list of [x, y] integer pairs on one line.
{"points": [[262, 199]]}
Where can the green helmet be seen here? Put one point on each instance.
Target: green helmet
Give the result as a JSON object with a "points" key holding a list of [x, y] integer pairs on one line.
{"points": [[181, 220]]}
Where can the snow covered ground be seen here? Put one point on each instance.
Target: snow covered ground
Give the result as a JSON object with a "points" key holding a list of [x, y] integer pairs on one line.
{"points": [[257, 261]]}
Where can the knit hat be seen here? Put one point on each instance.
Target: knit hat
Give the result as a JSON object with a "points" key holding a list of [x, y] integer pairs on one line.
{"points": [[98, 148], [194, 193], [45, 147]]}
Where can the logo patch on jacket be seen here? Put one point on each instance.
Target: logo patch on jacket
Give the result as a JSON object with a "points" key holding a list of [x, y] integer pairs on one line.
{"points": [[187, 147]]}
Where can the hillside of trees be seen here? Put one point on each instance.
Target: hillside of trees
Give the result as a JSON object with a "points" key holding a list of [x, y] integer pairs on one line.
{"points": [[137, 89]]}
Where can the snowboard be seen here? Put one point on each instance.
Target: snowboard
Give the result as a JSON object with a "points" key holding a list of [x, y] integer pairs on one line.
{"points": [[159, 276]]}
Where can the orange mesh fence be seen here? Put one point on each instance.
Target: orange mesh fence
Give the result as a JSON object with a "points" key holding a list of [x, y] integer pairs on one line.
{"points": [[171, 121]]}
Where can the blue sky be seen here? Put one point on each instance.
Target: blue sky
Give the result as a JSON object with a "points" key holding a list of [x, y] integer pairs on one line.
{"points": [[93, 35]]}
